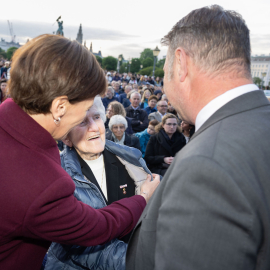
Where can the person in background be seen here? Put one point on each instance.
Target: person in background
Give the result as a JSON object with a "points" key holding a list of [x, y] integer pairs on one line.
{"points": [[144, 136], [135, 87], [158, 82], [118, 126], [187, 130], [121, 97], [109, 97], [158, 93], [139, 117], [163, 146], [162, 108], [115, 108], [133, 80], [152, 102], [142, 81], [109, 77], [3, 70], [97, 169], [116, 77], [117, 90], [145, 97], [4, 90], [164, 97]]}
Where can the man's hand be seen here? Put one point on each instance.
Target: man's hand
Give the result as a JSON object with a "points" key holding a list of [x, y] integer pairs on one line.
{"points": [[168, 160]]}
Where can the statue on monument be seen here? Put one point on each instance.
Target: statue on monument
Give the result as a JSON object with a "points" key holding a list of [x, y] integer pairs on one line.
{"points": [[59, 31]]}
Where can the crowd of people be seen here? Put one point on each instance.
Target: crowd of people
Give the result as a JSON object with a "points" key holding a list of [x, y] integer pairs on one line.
{"points": [[101, 170]]}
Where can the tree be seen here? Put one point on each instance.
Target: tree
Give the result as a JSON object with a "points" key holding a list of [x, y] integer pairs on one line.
{"points": [[10, 52], [149, 71], [160, 63], [123, 68], [109, 63], [3, 54], [148, 62], [99, 59], [135, 65], [147, 53], [257, 81]]}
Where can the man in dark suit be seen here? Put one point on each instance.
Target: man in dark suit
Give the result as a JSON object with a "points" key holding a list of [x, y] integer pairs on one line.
{"points": [[212, 208], [139, 116]]}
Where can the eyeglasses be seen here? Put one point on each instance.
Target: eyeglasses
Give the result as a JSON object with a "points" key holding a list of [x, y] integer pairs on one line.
{"points": [[163, 106], [171, 124], [118, 127]]}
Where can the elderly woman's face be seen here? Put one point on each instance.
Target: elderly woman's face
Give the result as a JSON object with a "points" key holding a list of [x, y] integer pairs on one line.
{"points": [[118, 130], [88, 138]]}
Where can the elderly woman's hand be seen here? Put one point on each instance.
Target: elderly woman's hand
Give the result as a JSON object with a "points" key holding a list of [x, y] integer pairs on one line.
{"points": [[148, 187]]}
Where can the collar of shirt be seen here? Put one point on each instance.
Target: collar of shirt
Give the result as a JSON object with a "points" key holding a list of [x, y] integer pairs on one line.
{"points": [[161, 114], [215, 104], [135, 108]]}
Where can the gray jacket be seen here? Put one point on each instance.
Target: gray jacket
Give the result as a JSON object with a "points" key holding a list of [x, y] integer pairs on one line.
{"points": [[212, 209]]}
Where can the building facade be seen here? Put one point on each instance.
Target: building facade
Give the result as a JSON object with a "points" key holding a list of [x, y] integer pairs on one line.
{"points": [[260, 67], [6, 45]]}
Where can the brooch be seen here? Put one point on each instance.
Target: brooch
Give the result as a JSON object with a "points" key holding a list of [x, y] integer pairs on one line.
{"points": [[124, 188]]}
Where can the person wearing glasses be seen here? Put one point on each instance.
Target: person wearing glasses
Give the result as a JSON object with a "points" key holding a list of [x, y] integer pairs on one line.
{"points": [[162, 108], [163, 146]]}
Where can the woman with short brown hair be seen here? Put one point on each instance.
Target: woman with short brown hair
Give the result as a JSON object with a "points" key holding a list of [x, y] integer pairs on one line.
{"points": [[53, 84]]}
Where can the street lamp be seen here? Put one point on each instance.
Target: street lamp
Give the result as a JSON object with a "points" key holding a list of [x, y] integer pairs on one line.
{"points": [[156, 53], [129, 65], [141, 66], [118, 64], [263, 75]]}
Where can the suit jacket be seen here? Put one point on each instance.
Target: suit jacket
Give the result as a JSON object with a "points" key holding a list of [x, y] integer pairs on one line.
{"points": [[155, 116], [212, 208], [137, 116]]}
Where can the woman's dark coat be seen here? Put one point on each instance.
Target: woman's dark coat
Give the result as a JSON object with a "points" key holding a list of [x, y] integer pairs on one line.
{"points": [[158, 148]]}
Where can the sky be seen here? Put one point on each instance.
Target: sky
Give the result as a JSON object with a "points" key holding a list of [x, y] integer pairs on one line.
{"points": [[124, 27]]}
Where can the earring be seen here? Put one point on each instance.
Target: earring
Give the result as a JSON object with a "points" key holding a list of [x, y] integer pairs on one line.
{"points": [[57, 121]]}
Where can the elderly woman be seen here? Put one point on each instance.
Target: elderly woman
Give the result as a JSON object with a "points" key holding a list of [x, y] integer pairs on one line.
{"points": [[53, 83], [101, 172], [118, 126], [163, 146], [114, 108]]}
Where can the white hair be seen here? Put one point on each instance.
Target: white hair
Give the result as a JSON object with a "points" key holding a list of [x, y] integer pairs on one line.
{"points": [[116, 120], [98, 105], [137, 93]]}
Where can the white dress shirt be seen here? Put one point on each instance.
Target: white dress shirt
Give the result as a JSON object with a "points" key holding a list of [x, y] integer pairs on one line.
{"points": [[220, 101]]}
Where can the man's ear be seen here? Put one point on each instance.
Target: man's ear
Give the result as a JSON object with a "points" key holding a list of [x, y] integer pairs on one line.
{"points": [[67, 142], [181, 63], [59, 106]]}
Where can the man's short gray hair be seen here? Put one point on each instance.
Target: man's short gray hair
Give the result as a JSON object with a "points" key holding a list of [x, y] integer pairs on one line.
{"points": [[214, 38], [98, 105], [116, 120], [111, 89], [135, 93]]}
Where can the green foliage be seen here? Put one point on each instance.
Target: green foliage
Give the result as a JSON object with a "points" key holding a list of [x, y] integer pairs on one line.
{"points": [[3, 54], [160, 63], [257, 80], [147, 53], [149, 72], [148, 62], [99, 59], [135, 65], [109, 63], [124, 68], [10, 52]]}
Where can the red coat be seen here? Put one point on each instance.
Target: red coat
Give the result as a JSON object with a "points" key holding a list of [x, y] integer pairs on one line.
{"points": [[37, 205]]}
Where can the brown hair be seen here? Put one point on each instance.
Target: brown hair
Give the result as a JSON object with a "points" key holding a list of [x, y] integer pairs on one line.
{"points": [[153, 97], [214, 38], [117, 108], [153, 123], [163, 121], [50, 66]]}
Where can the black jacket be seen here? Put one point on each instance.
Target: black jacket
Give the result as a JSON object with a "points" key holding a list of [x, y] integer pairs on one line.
{"points": [[137, 116], [160, 147], [130, 140]]}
